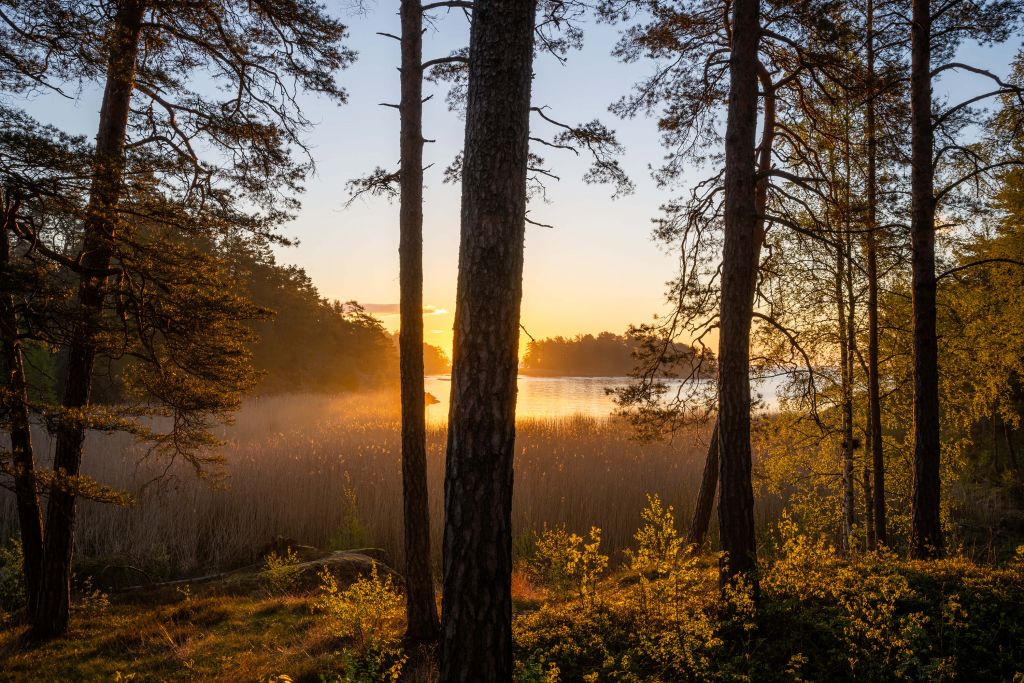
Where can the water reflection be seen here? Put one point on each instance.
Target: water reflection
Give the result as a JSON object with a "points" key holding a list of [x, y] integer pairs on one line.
{"points": [[541, 396], [561, 396]]}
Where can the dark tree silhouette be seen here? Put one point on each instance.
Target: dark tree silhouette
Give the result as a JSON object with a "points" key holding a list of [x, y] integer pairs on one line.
{"points": [[149, 189], [476, 619], [420, 607], [741, 249], [52, 610]]}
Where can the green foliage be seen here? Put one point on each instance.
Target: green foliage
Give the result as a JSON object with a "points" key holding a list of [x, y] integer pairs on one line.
{"points": [[281, 572], [658, 544], [310, 343], [12, 585], [550, 558], [367, 614], [819, 616], [562, 560], [604, 355], [353, 532]]}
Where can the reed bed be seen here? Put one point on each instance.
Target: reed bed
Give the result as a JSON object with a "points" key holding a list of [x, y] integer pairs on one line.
{"points": [[326, 471]]}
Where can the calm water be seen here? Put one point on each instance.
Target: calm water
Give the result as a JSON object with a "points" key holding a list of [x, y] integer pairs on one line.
{"points": [[552, 396], [542, 396]]}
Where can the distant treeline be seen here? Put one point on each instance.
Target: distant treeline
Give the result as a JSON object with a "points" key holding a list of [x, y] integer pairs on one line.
{"points": [[585, 355], [302, 342]]}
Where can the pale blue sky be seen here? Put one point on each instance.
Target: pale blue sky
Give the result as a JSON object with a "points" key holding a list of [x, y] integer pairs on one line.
{"points": [[596, 270]]}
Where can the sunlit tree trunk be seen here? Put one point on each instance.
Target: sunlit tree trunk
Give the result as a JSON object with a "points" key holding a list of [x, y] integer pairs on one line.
{"points": [[14, 401], [50, 618], [476, 620], [926, 527], [739, 271], [419, 582]]}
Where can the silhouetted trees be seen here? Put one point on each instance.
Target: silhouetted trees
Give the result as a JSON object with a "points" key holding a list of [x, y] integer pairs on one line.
{"points": [[585, 355], [133, 247]]}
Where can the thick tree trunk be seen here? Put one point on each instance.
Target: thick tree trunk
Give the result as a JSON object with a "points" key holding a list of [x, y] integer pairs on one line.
{"points": [[14, 403], [698, 531], [926, 528], [421, 609], [871, 248], [476, 621], [739, 272], [50, 618]]}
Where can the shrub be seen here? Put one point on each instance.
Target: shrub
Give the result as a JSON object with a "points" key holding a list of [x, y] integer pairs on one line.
{"points": [[562, 560], [659, 546], [548, 565], [12, 585], [368, 613], [281, 572], [91, 600]]}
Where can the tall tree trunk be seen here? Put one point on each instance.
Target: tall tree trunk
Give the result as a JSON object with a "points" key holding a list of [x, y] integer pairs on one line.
{"points": [[871, 247], [419, 581], [846, 399], [50, 618], [926, 527], [698, 531], [476, 620], [850, 344], [14, 401], [739, 272]]}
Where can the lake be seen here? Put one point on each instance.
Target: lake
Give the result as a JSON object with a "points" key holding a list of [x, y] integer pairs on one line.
{"points": [[558, 396]]}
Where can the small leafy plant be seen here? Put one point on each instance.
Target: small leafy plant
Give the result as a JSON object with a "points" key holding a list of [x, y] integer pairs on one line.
{"points": [[281, 572], [563, 560], [368, 613]]}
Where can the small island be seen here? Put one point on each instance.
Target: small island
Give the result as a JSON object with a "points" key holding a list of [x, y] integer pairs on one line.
{"points": [[586, 355]]}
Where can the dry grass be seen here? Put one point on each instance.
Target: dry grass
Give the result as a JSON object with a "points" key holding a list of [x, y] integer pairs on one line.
{"points": [[205, 638], [325, 471]]}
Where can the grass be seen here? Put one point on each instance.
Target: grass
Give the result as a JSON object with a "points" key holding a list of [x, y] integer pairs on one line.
{"points": [[820, 617], [209, 638]]}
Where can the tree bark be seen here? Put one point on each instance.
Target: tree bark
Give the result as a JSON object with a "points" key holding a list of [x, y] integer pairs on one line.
{"points": [[421, 609], [739, 271], [846, 398], [698, 531], [50, 618], [476, 621], [875, 445], [926, 526], [15, 402]]}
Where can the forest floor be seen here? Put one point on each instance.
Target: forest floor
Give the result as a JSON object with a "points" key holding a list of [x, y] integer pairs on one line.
{"points": [[818, 617], [202, 638]]}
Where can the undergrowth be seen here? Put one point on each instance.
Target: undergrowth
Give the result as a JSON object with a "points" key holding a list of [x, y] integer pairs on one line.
{"points": [[818, 616]]}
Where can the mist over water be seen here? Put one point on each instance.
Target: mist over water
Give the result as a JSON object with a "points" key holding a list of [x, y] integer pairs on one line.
{"points": [[555, 397]]}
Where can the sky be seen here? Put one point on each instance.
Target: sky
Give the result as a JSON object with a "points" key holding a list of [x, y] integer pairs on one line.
{"points": [[597, 269]]}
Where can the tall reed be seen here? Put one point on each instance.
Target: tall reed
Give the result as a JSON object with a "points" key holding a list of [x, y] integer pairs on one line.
{"points": [[325, 471]]}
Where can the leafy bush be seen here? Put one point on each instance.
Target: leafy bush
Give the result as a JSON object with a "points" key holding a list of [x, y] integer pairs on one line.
{"points": [[659, 547], [562, 560], [12, 585], [819, 616], [368, 613], [281, 572]]}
